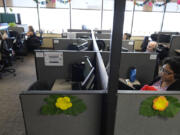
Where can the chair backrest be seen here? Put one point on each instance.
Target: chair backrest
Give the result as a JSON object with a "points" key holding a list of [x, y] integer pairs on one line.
{"points": [[144, 43]]}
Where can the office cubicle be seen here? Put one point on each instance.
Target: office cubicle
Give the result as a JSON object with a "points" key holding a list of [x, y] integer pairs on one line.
{"points": [[86, 35], [63, 43], [174, 44], [85, 123], [47, 71], [130, 122], [80, 30], [145, 64]]}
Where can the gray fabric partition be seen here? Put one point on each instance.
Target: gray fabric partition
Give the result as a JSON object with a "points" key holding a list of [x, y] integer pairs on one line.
{"points": [[129, 122], [62, 43], [128, 44], [144, 62], [86, 123], [175, 44], [51, 73], [98, 35], [78, 30], [103, 35]]}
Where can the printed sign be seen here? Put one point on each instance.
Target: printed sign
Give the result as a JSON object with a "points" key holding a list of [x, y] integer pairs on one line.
{"points": [[53, 58], [39, 54], [153, 57], [131, 43], [71, 35], [56, 41]]}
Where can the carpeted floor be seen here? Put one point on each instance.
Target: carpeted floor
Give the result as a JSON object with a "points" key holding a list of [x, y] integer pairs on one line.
{"points": [[11, 120]]}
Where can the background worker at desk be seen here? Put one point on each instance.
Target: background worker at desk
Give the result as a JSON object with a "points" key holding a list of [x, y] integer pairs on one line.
{"points": [[32, 42], [169, 78], [126, 36]]}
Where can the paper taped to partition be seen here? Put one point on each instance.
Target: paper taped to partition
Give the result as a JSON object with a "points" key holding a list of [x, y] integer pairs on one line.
{"points": [[56, 41], [53, 58], [39, 54], [153, 57], [131, 43], [71, 35]]}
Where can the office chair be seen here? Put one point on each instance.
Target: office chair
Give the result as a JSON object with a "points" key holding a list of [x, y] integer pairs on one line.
{"points": [[6, 58], [144, 44], [18, 46]]}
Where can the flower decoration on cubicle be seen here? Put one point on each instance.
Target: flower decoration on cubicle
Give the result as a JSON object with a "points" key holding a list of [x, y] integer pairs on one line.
{"points": [[163, 106], [60, 104], [44, 2], [151, 3]]}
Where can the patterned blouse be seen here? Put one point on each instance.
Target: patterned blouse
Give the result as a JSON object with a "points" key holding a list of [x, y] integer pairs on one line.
{"points": [[157, 85]]}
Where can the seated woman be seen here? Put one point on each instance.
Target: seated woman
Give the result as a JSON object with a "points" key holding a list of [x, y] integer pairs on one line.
{"points": [[32, 42], [30, 32], [169, 78]]}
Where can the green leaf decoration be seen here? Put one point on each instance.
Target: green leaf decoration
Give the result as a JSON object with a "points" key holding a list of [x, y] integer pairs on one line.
{"points": [[146, 107], [11, 24], [78, 106]]}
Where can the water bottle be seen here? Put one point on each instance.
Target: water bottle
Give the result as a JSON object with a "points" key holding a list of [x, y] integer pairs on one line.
{"points": [[132, 74]]}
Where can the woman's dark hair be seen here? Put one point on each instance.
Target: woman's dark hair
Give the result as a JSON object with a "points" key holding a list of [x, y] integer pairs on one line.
{"points": [[128, 36], [174, 63], [31, 29]]}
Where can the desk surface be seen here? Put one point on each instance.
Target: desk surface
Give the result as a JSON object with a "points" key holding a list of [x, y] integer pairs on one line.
{"points": [[129, 83], [177, 51], [61, 84]]}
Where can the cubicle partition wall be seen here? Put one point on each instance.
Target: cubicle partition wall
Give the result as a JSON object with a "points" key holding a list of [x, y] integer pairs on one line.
{"points": [[87, 35], [128, 44], [63, 43], [175, 44], [103, 35], [78, 30], [85, 123], [144, 63], [54, 64], [130, 122]]}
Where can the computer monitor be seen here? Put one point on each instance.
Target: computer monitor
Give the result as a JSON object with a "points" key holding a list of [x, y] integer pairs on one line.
{"points": [[88, 82]]}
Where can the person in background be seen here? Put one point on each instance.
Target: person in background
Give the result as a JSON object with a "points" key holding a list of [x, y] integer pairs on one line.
{"points": [[151, 47], [31, 32], [169, 76], [32, 42], [126, 36]]}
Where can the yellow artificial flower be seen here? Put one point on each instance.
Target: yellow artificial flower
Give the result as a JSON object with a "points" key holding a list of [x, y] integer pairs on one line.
{"points": [[160, 103], [63, 103]]}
